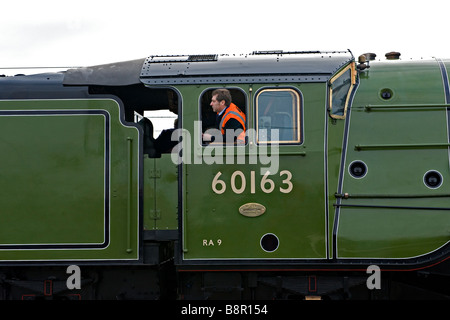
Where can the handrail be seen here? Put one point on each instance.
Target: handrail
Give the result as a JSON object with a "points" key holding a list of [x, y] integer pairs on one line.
{"points": [[388, 196], [428, 106], [360, 147], [129, 194], [390, 207]]}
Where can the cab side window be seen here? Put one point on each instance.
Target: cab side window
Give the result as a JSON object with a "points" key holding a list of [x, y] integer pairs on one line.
{"points": [[341, 86], [278, 116], [208, 116]]}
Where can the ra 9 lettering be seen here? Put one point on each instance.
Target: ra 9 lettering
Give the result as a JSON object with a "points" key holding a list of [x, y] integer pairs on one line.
{"points": [[238, 183]]}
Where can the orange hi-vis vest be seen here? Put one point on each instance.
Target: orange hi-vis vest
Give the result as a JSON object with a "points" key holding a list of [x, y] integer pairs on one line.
{"points": [[233, 112]]}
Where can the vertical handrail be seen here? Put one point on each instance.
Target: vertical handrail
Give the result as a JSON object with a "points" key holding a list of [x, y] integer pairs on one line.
{"points": [[129, 193]]}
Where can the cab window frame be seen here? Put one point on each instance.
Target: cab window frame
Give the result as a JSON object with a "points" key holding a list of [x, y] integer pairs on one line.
{"points": [[341, 113], [297, 116]]}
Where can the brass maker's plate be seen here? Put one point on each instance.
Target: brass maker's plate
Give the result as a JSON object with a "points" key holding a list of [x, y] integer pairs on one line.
{"points": [[252, 209]]}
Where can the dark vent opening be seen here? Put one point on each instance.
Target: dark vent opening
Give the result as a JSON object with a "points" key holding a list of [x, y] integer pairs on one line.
{"points": [[203, 57]]}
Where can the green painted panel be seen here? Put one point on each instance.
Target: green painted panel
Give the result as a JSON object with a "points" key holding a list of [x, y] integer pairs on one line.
{"points": [[160, 193], [214, 227], [53, 188], [70, 181], [295, 218], [399, 140], [391, 233]]}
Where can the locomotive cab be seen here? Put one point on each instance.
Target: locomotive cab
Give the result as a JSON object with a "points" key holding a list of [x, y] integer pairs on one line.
{"points": [[271, 192]]}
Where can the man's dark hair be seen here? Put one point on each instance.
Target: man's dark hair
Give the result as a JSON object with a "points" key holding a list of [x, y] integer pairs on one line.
{"points": [[223, 94]]}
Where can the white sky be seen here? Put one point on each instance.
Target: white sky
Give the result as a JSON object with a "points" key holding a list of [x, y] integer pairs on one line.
{"points": [[83, 33]]}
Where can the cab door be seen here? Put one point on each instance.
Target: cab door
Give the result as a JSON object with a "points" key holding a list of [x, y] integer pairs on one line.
{"points": [[266, 199]]}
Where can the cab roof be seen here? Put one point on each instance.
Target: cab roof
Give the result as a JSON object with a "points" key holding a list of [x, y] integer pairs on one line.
{"points": [[256, 67]]}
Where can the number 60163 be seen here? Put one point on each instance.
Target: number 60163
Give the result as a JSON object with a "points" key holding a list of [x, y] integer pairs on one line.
{"points": [[266, 184]]}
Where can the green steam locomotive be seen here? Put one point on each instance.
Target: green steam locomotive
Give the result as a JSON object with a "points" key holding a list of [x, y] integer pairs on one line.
{"points": [[345, 167]]}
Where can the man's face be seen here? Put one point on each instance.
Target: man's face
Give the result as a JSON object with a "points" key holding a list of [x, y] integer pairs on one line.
{"points": [[216, 105]]}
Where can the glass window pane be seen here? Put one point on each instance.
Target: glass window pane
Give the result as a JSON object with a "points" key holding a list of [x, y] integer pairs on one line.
{"points": [[278, 116], [340, 89]]}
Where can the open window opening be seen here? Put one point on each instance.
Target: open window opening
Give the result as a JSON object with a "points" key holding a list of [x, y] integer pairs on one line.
{"points": [[213, 122], [155, 110]]}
